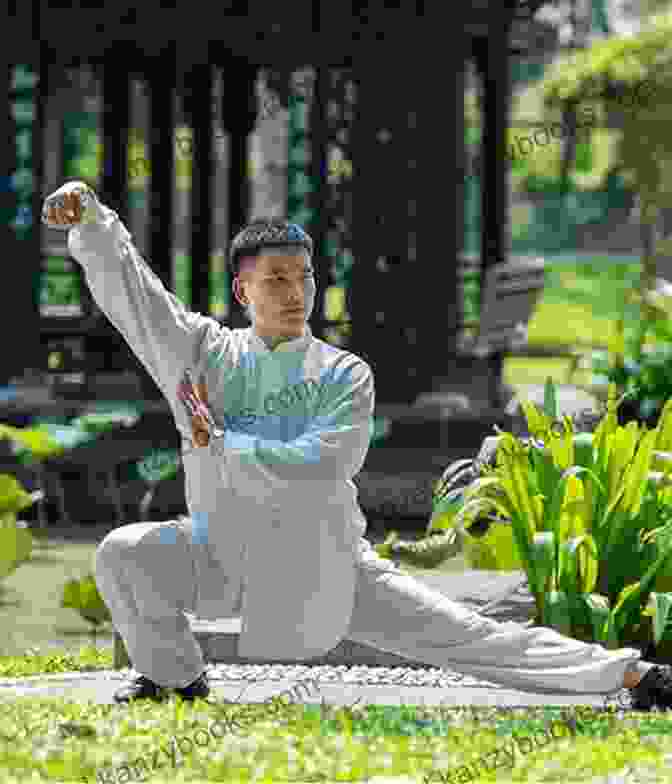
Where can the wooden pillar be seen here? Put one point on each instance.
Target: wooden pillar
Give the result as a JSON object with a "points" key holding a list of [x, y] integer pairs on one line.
{"points": [[388, 287], [116, 120], [493, 65], [434, 299], [319, 143], [200, 105], [40, 64], [162, 78], [116, 94], [239, 115], [112, 352], [12, 355], [492, 60], [19, 315], [368, 218]]}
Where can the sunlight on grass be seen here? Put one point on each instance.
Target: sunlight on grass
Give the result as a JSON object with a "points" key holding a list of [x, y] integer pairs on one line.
{"points": [[65, 741], [579, 325], [30, 598], [580, 305]]}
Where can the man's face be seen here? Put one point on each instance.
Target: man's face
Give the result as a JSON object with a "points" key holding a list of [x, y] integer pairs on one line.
{"points": [[275, 283]]}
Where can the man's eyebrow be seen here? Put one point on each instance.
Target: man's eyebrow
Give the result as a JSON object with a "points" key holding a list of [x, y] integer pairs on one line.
{"points": [[280, 270]]}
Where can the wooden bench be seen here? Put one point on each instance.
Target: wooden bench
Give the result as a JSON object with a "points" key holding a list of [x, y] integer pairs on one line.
{"points": [[508, 298]]}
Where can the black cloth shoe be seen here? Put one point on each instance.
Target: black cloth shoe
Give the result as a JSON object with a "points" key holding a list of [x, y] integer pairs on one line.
{"points": [[141, 688], [198, 688], [654, 689]]}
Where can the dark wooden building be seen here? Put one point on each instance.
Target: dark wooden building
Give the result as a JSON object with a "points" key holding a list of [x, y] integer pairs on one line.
{"points": [[387, 90]]}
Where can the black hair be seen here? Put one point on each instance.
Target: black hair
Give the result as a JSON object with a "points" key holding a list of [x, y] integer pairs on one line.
{"points": [[246, 243]]}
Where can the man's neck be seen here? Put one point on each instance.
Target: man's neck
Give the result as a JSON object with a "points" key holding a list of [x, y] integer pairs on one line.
{"points": [[273, 341]]}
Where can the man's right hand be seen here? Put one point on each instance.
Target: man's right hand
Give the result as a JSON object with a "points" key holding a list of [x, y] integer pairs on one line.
{"points": [[65, 207], [194, 397]]}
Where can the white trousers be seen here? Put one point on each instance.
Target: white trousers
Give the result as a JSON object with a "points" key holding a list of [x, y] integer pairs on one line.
{"points": [[148, 585]]}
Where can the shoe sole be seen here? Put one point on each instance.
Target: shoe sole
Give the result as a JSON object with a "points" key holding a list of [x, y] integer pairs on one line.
{"points": [[192, 697], [125, 700], [163, 697]]}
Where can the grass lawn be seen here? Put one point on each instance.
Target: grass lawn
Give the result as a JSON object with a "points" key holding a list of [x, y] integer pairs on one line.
{"points": [[30, 598], [49, 739], [59, 741], [580, 304]]}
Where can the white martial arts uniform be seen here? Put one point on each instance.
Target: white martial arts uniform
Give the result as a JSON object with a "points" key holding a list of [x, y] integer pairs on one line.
{"points": [[275, 533]]}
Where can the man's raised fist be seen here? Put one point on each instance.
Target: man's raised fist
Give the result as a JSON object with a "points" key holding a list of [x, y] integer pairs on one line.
{"points": [[65, 207]]}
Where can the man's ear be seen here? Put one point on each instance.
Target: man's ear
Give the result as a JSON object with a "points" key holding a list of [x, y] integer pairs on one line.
{"points": [[237, 291]]}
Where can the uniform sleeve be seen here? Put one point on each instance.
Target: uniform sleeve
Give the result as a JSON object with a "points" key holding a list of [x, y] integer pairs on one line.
{"points": [[160, 331], [333, 447]]}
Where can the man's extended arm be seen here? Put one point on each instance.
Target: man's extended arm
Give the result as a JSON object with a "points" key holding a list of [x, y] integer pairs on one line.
{"points": [[162, 333]]}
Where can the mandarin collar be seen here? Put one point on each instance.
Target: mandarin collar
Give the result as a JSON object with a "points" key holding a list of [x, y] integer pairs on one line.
{"points": [[295, 344]]}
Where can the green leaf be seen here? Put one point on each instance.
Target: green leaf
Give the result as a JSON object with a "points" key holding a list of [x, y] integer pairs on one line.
{"points": [[626, 608], [36, 441], [447, 506], [101, 421], [430, 551], [550, 400], [384, 549], [557, 613], [159, 465], [70, 596], [495, 551], [24, 541], [542, 556], [85, 598], [15, 547], [659, 605], [546, 473], [599, 613], [663, 538], [584, 157], [13, 498], [583, 449], [580, 565]]}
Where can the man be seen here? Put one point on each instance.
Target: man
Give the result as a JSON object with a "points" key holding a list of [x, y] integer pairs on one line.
{"points": [[275, 424]]}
